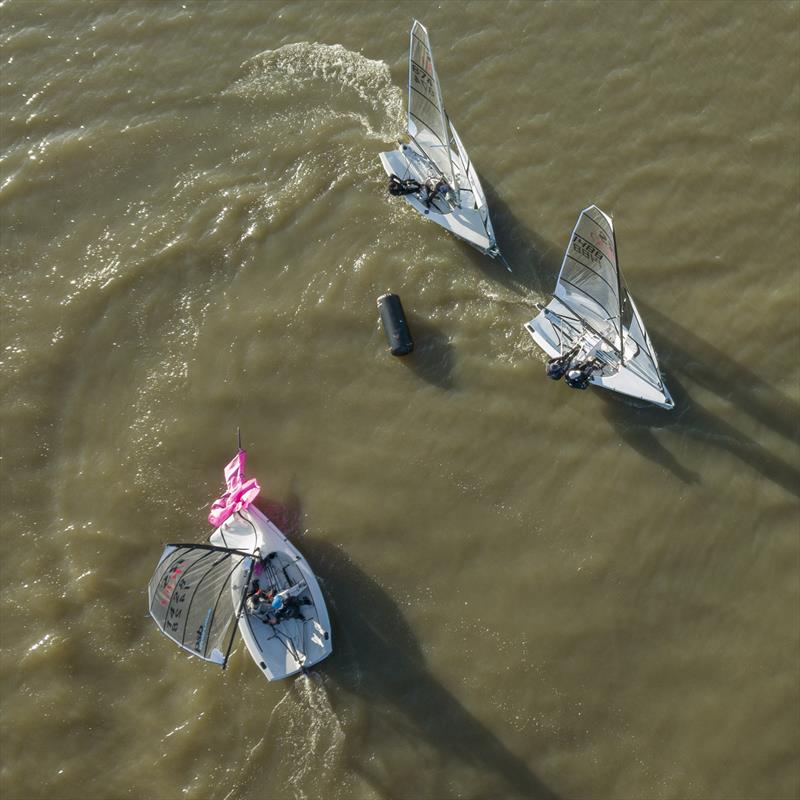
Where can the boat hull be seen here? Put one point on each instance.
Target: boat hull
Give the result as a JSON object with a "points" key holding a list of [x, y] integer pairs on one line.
{"points": [[470, 222], [616, 377], [294, 644]]}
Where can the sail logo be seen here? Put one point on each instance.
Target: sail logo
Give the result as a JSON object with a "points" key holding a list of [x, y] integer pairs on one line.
{"points": [[169, 582], [202, 633], [602, 243]]}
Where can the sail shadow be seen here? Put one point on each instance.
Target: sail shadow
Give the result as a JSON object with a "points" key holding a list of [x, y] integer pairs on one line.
{"points": [[433, 358], [635, 426], [378, 659], [716, 371], [535, 262], [681, 351]]}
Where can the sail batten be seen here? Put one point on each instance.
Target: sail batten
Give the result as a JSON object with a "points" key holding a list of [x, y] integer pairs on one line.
{"points": [[589, 275], [191, 597], [427, 120]]}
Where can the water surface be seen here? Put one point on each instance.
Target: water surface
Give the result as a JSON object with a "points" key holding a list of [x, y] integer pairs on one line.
{"points": [[537, 593]]}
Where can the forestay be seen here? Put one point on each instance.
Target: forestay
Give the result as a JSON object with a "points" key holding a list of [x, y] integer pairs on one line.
{"points": [[427, 121], [191, 599]]}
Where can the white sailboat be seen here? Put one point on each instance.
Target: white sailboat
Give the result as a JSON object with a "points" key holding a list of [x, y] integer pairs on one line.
{"points": [[433, 171], [593, 320], [251, 577]]}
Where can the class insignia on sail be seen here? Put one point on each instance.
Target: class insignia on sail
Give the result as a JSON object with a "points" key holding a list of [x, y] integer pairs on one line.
{"points": [[432, 171], [591, 329]]}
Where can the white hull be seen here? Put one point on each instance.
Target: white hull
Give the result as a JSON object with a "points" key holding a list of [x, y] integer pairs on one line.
{"points": [[292, 645], [616, 376], [469, 222]]}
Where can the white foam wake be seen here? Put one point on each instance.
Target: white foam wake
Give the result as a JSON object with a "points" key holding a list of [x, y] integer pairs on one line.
{"points": [[302, 69]]}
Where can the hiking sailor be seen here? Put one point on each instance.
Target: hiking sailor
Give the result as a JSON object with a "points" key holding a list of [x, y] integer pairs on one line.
{"points": [[557, 367], [398, 186], [579, 375], [435, 189]]}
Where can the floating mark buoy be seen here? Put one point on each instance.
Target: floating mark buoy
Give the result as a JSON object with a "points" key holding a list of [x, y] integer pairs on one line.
{"points": [[394, 324]]}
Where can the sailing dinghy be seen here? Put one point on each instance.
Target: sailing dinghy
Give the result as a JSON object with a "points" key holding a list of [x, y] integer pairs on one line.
{"points": [[433, 171], [593, 320], [249, 576]]}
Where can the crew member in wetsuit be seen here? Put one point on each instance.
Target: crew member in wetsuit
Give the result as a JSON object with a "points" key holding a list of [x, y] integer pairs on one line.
{"points": [[579, 375], [398, 186], [434, 190], [557, 367]]}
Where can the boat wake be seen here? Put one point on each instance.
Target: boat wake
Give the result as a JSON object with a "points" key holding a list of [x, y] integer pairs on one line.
{"points": [[336, 80], [302, 741]]}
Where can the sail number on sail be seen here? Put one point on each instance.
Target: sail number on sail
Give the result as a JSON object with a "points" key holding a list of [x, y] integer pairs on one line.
{"points": [[422, 81], [168, 595], [587, 250]]}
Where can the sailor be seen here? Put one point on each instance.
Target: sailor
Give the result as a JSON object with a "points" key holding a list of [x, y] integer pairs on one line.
{"points": [[557, 367], [579, 375], [277, 606], [398, 186], [434, 189], [261, 603], [286, 608]]}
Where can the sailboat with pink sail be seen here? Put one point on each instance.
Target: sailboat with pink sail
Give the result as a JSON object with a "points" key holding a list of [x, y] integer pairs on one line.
{"points": [[250, 577]]}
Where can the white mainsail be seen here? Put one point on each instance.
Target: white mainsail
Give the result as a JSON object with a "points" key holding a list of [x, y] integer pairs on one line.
{"points": [[589, 280], [427, 121], [436, 152], [592, 309]]}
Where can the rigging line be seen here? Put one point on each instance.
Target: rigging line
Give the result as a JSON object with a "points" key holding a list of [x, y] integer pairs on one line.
{"points": [[255, 532], [238, 615], [293, 652], [619, 292], [584, 322], [502, 260], [601, 355], [196, 589], [219, 596]]}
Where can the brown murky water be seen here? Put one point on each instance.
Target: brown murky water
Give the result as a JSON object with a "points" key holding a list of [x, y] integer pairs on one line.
{"points": [[536, 593]]}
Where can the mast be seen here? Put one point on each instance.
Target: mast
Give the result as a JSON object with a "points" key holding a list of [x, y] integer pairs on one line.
{"points": [[431, 120], [449, 129], [619, 292]]}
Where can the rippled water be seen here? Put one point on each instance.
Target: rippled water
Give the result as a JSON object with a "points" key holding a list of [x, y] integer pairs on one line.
{"points": [[536, 593]]}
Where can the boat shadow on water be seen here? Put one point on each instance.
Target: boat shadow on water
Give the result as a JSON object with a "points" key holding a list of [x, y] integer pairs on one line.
{"points": [[535, 262], [686, 360], [433, 359], [684, 354], [410, 738]]}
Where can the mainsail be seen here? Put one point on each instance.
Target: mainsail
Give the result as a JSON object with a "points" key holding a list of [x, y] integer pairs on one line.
{"points": [[592, 305], [191, 599], [589, 283], [427, 121]]}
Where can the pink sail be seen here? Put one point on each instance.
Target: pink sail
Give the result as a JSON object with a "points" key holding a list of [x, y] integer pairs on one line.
{"points": [[240, 492]]}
